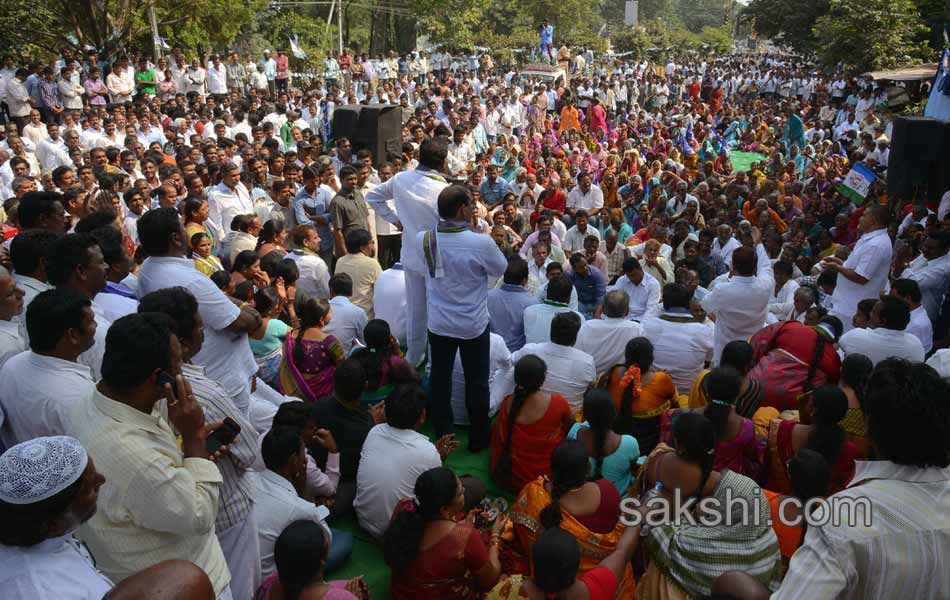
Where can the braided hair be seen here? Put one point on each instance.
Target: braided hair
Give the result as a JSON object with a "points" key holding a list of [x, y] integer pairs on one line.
{"points": [[722, 386], [695, 438], [834, 324], [311, 311], [600, 412], [434, 490], [530, 372], [830, 406], [639, 352], [378, 351], [570, 465], [855, 372], [299, 555]]}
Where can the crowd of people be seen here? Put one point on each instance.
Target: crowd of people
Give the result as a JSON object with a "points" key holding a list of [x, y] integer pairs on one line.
{"points": [[224, 329]]}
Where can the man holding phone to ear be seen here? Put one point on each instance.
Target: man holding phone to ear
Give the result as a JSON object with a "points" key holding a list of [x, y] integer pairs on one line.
{"points": [[234, 527], [161, 500]]}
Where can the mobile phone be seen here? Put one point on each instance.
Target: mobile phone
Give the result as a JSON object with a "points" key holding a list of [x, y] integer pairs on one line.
{"points": [[166, 377], [222, 436]]}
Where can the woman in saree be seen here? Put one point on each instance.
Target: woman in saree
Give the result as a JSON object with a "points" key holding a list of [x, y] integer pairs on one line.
{"points": [[686, 558], [640, 394], [529, 425], [791, 358], [383, 363], [569, 500], [431, 555], [738, 355], [738, 447], [821, 413], [310, 354], [855, 372], [608, 185], [570, 119]]}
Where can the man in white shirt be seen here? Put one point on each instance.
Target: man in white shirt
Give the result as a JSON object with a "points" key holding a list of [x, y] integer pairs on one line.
{"points": [[39, 387], [574, 240], [931, 271], [12, 341], [228, 199], [886, 335], [741, 303], [314, 277], [121, 89], [605, 339], [394, 455], [725, 244], [681, 344], [217, 77], [409, 201], [919, 325], [571, 372], [459, 262], [26, 251], [52, 151], [225, 354], [642, 289], [348, 320], [783, 293], [278, 503], [537, 318], [389, 301], [864, 274], [585, 195], [39, 556]]}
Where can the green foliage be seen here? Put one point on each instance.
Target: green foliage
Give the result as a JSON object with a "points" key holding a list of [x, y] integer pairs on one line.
{"points": [[668, 40], [865, 35], [786, 22]]}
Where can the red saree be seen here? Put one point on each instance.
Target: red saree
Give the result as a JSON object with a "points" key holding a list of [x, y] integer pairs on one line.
{"points": [[780, 451], [532, 444], [782, 355]]}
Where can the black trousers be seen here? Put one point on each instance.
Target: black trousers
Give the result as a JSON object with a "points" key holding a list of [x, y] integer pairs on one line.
{"points": [[388, 249], [475, 362]]}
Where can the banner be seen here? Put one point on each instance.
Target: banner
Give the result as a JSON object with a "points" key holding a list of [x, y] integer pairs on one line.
{"points": [[856, 185], [631, 11]]}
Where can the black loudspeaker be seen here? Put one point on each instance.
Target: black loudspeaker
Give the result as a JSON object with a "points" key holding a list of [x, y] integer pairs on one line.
{"points": [[377, 128], [919, 164]]}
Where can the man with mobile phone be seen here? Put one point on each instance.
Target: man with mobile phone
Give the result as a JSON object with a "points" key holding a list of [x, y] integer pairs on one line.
{"points": [[162, 498], [236, 438]]}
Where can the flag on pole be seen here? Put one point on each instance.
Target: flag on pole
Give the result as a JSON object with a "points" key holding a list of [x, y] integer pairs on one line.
{"points": [[295, 47], [856, 185]]}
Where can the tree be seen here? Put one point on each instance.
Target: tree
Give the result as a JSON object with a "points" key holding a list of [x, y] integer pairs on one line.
{"points": [[787, 22], [865, 35]]}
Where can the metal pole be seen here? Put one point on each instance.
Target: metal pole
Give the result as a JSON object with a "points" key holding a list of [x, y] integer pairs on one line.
{"points": [[339, 26], [330, 20], [156, 44]]}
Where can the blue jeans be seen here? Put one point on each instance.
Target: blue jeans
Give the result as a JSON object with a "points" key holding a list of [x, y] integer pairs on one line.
{"points": [[340, 549], [587, 309]]}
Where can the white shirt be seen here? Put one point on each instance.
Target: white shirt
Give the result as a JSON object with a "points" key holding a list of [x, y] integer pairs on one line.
{"points": [[592, 201], [681, 345], [644, 298], [410, 198], [115, 306], [52, 154], [781, 303], [58, 568], [878, 344], [871, 259], [314, 276], [390, 462], [11, 340], [741, 304], [537, 320], [606, 340], [499, 358], [37, 393], [276, 506], [224, 204], [389, 300], [347, 322], [457, 301], [574, 240], [725, 252], [217, 79], [570, 373], [933, 278], [921, 327], [226, 356]]}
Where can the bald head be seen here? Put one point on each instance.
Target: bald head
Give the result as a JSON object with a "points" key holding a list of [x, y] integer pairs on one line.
{"points": [[169, 580]]}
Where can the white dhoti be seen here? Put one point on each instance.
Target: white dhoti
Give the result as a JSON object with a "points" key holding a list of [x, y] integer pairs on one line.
{"points": [[242, 552]]}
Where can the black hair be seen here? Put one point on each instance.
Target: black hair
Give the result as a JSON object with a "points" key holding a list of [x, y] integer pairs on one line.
{"points": [[432, 153], [192, 205], [269, 232], [555, 560], [895, 313], [908, 418], [722, 387], [156, 229], [356, 239], [866, 306], [810, 475], [744, 261], [96, 220], [676, 295], [404, 406], [827, 277], [299, 555], [176, 302], [908, 288], [530, 372], [279, 445], [517, 271], [564, 328], [147, 337], [834, 323], [341, 284], [28, 247], [67, 253], [294, 414], [245, 259], [739, 355], [600, 413], [349, 380], [311, 311], [570, 465], [26, 525], [638, 351], [827, 436], [270, 262], [631, 264], [288, 270], [111, 243], [37, 204], [346, 171], [51, 314], [855, 371], [559, 288], [695, 438], [453, 198], [220, 278], [434, 490], [784, 267]]}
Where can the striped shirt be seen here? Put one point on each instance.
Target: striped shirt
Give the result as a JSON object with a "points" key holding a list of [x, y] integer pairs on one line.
{"points": [[902, 554]]}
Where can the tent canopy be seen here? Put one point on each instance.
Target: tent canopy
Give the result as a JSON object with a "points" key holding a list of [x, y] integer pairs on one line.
{"points": [[917, 73]]}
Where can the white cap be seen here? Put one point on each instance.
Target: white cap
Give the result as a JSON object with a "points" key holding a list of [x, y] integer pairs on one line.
{"points": [[40, 468]]}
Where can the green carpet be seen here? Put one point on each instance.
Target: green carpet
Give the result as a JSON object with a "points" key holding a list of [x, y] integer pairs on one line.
{"points": [[367, 557], [741, 161]]}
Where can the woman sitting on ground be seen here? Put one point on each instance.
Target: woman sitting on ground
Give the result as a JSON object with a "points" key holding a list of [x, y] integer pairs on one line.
{"points": [[383, 362], [431, 555], [529, 425], [613, 456], [855, 372], [737, 354], [588, 510], [269, 348], [310, 354]]}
